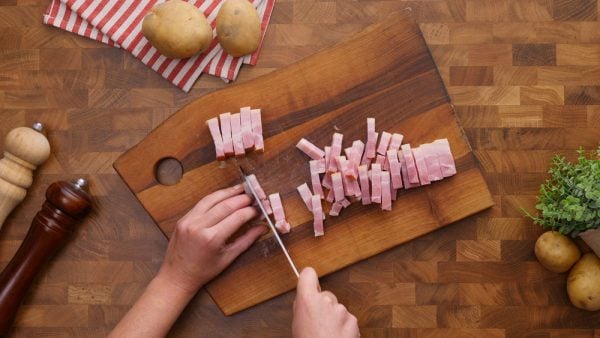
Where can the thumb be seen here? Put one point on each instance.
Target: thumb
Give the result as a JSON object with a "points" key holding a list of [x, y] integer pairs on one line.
{"points": [[308, 282]]}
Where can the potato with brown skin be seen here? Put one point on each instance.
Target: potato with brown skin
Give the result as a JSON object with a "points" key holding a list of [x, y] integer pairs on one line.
{"points": [[583, 284], [177, 29], [238, 27], [556, 252]]}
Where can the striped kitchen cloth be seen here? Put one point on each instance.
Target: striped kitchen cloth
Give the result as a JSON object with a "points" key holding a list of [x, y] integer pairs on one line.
{"points": [[119, 22]]}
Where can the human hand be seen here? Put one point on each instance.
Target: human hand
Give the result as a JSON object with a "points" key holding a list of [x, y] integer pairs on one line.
{"points": [[317, 313], [198, 251]]}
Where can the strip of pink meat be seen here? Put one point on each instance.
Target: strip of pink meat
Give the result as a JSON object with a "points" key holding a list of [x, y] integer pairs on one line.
{"points": [[371, 138], [279, 214], [376, 183], [395, 170], [432, 161], [338, 186], [413, 177], [404, 170], [396, 142], [310, 149], [394, 194], [317, 216], [315, 179], [346, 203], [336, 151], [445, 156], [358, 148], [330, 196], [306, 195], [246, 126], [327, 156], [261, 193], [335, 209], [257, 132], [236, 135], [421, 166], [327, 181], [386, 192], [380, 160], [225, 120], [384, 142], [364, 184], [319, 165], [215, 132]]}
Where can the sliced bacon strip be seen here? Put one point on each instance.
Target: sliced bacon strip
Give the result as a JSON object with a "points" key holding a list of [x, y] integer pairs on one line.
{"points": [[413, 177], [421, 166], [396, 142], [236, 135], [246, 126], [327, 181], [358, 148], [444, 153], [327, 156], [338, 186], [261, 193], [335, 209], [346, 203], [330, 196], [395, 169], [336, 151], [371, 138], [319, 165], [257, 131], [386, 192], [306, 195], [384, 142], [310, 149], [376, 183], [364, 184], [315, 179], [432, 161], [380, 160], [404, 170], [279, 214], [318, 216], [225, 120], [215, 132], [394, 194]]}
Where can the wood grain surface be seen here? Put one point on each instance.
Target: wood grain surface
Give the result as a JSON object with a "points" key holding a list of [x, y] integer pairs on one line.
{"points": [[386, 73], [524, 76]]}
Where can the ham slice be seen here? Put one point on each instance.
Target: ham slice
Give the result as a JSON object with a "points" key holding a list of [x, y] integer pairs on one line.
{"points": [[260, 193], [380, 160], [358, 148], [384, 142], [421, 166], [236, 135], [371, 138], [445, 157], [246, 127], [215, 132], [318, 216], [306, 195], [327, 181], [404, 170], [396, 142], [364, 184], [327, 156], [338, 186], [310, 149], [395, 169], [336, 151], [386, 192], [330, 196], [279, 214], [394, 194], [335, 209], [432, 161], [376, 183], [225, 120], [351, 169], [257, 132], [413, 177], [315, 179]]}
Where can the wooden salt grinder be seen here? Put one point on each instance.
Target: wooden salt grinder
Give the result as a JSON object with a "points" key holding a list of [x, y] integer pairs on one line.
{"points": [[24, 150], [66, 204]]}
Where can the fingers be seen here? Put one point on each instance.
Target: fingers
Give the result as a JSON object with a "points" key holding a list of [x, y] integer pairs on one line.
{"points": [[232, 223], [308, 282], [243, 242], [211, 200], [224, 209], [330, 296]]}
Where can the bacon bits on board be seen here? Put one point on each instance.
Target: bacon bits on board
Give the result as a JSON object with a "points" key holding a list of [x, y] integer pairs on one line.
{"points": [[238, 133]]}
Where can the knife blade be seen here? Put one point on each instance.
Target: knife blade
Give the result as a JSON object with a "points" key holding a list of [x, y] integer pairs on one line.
{"points": [[270, 223]]}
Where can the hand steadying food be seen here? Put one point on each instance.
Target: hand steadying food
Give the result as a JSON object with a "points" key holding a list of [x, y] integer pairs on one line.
{"points": [[199, 251]]}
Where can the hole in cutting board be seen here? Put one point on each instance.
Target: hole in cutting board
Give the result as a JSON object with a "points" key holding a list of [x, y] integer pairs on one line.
{"points": [[168, 171]]}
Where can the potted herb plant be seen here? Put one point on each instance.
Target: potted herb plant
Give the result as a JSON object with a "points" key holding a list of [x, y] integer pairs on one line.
{"points": [[569, 201]]}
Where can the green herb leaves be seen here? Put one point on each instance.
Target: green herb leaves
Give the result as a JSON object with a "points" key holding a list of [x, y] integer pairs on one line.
{"points": [[570, 200]]}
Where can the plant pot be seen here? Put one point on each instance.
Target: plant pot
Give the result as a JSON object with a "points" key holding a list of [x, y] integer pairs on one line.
{"points": [[592, 239]]}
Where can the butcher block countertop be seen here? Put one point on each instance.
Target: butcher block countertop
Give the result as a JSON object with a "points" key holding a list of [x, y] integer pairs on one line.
{"points": [[524, 76]]}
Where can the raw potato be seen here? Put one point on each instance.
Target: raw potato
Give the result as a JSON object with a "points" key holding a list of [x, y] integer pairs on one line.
{"points": [[238, 27], [583, 285], [556, 252], [177, 29]]}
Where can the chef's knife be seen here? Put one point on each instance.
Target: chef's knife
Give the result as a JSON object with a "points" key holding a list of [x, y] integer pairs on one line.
{"points": [[266, 215]]}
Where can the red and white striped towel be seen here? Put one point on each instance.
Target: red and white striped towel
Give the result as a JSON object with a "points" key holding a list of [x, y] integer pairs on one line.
{"points": [[119, 22]]}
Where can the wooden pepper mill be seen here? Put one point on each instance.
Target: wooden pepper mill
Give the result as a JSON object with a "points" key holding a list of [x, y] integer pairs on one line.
{"points": [[66, 204], [24, 150]]}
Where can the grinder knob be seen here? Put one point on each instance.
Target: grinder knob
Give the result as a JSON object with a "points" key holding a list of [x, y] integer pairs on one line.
{"points": [[24, 150], [66, 204]]}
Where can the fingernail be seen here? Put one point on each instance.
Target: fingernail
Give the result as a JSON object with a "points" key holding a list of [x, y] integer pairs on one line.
{"points": [[238, 187]]}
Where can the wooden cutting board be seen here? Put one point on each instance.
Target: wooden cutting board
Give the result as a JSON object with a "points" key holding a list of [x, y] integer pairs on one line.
{"points": [[385, 72]]}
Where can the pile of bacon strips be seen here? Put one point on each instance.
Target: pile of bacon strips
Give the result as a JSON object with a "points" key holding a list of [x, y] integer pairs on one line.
{"points": [[370, 173]]}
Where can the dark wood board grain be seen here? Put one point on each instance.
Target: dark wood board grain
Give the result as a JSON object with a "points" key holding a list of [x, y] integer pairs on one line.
{"points": [[385, 72]]}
